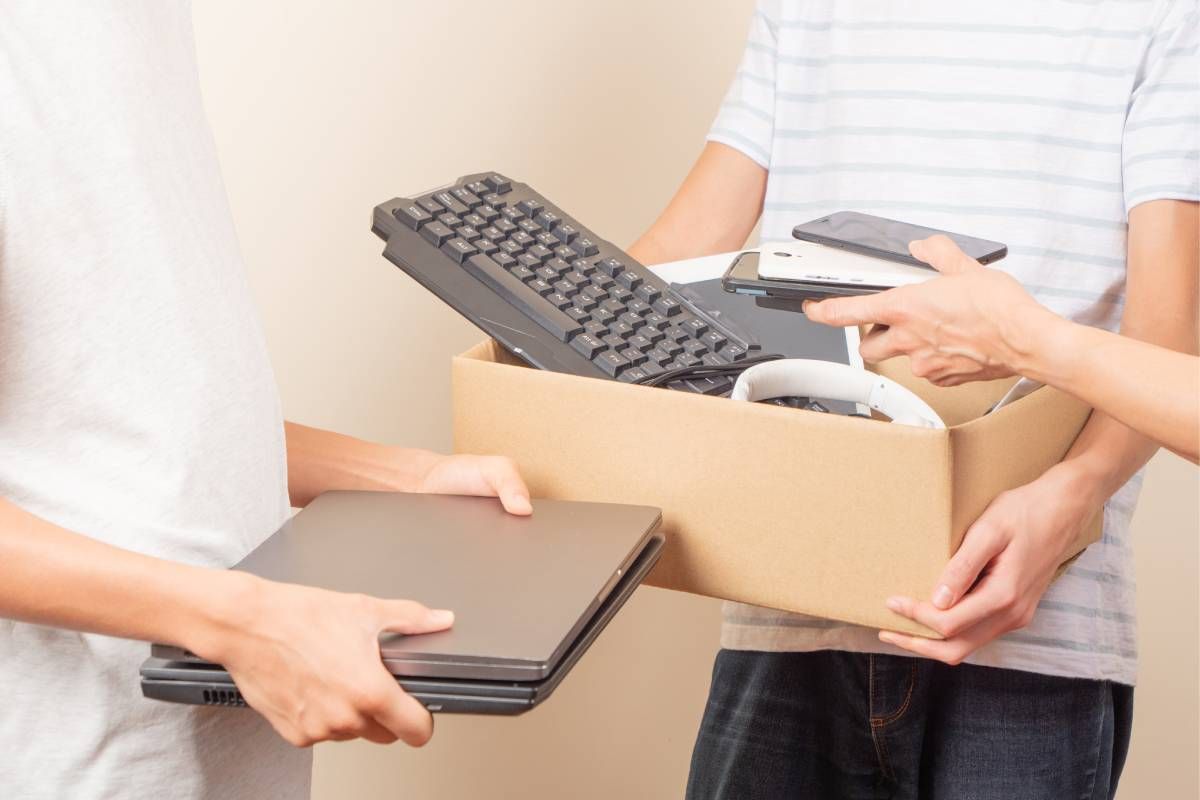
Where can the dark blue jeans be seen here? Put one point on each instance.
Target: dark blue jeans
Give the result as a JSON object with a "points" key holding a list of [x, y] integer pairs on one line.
{"points": [[842, 726]]}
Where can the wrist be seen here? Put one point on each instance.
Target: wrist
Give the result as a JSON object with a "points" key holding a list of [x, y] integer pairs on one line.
{"points": [[1038, 342], [229, 603]]}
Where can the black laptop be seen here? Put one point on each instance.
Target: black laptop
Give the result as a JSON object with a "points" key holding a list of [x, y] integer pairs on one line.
{"points": [[530, 594]]}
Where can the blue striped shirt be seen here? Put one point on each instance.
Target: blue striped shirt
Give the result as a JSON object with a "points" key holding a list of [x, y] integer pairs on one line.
{"points": [[1039, 123]]}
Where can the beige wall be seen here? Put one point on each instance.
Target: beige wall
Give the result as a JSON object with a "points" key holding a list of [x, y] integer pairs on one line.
{"points": [[322, 110]]}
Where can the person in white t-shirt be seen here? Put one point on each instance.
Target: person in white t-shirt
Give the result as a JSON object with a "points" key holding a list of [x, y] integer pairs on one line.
{"points": [[142, 447], [1068, 131]]}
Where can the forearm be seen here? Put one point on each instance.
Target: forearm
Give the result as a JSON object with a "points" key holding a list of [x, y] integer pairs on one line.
{"points": [[53, 576], [1153, 390], [714, 211], [320, 461]]}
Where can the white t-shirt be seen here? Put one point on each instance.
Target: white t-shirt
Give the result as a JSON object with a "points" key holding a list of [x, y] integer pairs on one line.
{"points": [[137, 403], [1038, 123]]}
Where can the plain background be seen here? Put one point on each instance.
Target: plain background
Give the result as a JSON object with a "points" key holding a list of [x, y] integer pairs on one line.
{"points": [[322, 110]]}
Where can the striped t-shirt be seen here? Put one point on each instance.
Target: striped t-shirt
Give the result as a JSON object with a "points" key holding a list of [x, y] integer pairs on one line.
{"points": [[1037, 123]]}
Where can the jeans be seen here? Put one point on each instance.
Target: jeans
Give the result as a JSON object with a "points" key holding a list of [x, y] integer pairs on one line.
{"points": [[831, 725]]}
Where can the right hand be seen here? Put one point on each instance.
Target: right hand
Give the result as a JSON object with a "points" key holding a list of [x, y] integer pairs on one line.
{"points": [[971, 323], [308, 660]]}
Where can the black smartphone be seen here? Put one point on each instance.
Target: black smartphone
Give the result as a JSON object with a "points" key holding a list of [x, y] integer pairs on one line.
{"points": [[887, 238]]}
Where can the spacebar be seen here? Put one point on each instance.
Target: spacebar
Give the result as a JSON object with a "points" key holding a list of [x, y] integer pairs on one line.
{"points": [[529, 302]]}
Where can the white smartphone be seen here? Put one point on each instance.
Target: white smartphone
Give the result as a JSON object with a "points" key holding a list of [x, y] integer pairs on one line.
{"points": [[815, 264]]}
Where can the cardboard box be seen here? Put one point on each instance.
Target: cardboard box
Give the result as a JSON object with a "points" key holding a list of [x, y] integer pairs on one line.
{"points": [[797, 510]]}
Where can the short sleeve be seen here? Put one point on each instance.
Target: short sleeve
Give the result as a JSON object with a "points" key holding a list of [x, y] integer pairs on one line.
{"points": [[746, 121], [1162, 129]]}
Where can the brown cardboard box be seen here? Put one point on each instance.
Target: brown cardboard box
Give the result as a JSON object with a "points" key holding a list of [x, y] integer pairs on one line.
{"points": [[801, 511]]}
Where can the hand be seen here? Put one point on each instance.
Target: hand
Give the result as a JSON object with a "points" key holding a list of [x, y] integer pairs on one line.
{"points": [[487, 476], [1007, 559], [969, 324], [308, 660]]}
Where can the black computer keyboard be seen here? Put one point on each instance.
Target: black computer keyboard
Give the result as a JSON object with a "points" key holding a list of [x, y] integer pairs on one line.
{"points": [[553, 292]]}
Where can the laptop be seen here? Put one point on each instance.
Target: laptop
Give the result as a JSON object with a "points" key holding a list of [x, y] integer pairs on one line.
{"points": [[530, 594]]}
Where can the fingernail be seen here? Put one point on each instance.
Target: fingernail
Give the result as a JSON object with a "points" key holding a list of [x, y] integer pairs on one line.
{"points": [[887, 638], [894, 604], [441, 616], [943, 598]]}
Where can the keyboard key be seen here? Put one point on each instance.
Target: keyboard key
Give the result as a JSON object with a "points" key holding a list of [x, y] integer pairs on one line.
{"points": [[566, 233], [574, 277], [613, 341], [468, 233], [596, 329], [712, 360], [459, 249], [540, 252], [585, 246], [522, 239], [620, 294], [612, 306], [733, 352], [588, 346], [475, 221], [641, 343], [547, 240], [530, 208], [566, 288], [660, 356], [657, 321], [512, 214], [677, 334], [622, 329], [668, 306], [450, 220], [634, 375], [602, 281], [529, 226], [526, 260], [493, 233], [714, 340], [485, 246], [611, 267], [559, 301], [431, 205], [479, 188], [651, 369], [582, 265], [450, 203], [629, 318], [687, 360], [709, 386], [436, 233], [505, 226], [674, 349], [487, 212], [604, 315], [595, 294], [577, 314], [565, 253], [498, 183], [548, 220], [653, 334], [638, 307], [629, 279], [548, 275], [612, 363], [518, 294], [647, 293], [694, 347], [523, 274], [494, 200], [633, 355], [504, 260], [412, 215], [511, 248], [588, 304], [696, 327], [466, 196]]}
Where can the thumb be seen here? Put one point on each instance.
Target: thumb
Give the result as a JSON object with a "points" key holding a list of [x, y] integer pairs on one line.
{"points": [[940, 252], [982, 542], [406, 616], [505, 481]]}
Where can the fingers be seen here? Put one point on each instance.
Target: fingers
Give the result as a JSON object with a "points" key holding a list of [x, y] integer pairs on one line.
{"points": [[841, 312], [880, 345], [506, 482], [941, 253], [994, 597], [406, 616], [983, 541], [399, 713], [949, 651]]}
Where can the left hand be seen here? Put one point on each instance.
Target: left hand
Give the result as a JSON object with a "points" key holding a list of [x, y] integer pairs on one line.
{"points": [[1007, 559], [485, 476]]}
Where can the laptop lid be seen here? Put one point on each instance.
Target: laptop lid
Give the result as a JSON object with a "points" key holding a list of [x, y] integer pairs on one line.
{"points": [[521, 588]]}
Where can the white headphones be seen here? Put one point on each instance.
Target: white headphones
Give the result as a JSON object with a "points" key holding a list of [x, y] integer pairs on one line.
{"points": [[801, 377]]}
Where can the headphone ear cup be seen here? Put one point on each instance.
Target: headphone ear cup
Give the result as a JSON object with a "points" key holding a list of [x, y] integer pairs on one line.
{"points": [[799, 377]]}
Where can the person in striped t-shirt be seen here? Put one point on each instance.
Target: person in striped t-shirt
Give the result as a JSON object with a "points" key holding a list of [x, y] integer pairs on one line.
{"points": [[1068, 130]]}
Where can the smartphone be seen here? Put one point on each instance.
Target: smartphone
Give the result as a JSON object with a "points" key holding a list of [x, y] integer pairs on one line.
{"points": [[887, 238], [805, 271]]}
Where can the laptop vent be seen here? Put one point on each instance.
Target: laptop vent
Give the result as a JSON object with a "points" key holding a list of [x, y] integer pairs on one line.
{"points": [[223, 697]]}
